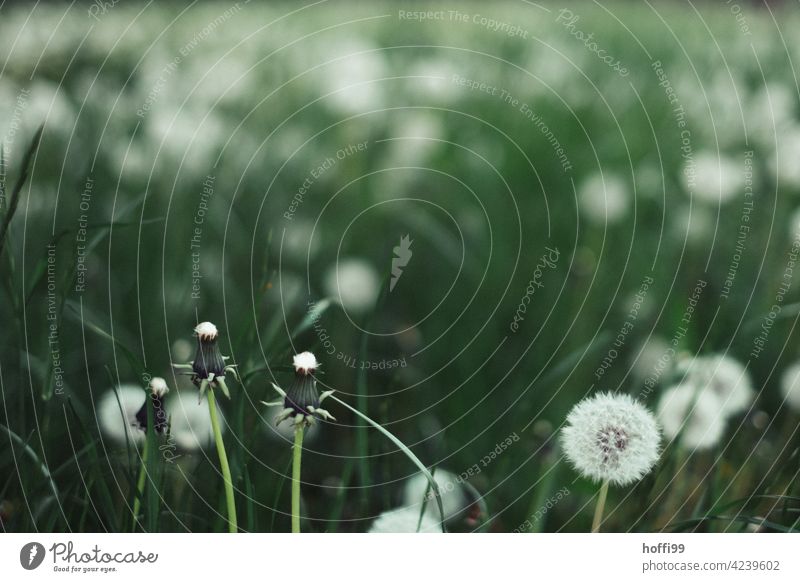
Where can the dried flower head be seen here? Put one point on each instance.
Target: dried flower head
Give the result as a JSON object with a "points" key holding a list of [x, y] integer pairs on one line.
{"points": [[301, 402], [208, 369], [722, 376], [790, 386], [157, 389], [692, 416], [611, 437], [405, 520]]}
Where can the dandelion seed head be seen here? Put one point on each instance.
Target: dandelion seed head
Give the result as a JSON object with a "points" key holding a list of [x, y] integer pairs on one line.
{"points": [[206, 331], [116, 414], [724, 378], [405, 520], [691, 415], [305, 363], [790, 386], [354, 284], [158, 387], [611, 437]]}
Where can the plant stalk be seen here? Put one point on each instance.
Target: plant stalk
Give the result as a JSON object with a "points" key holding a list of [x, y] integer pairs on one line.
{"points": [[297, 459], [601, 505], [137, 502], [223, 461]]}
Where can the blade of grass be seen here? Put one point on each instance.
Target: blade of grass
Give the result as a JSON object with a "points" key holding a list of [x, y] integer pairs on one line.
{"points": [[404, 449], [13, 202]]}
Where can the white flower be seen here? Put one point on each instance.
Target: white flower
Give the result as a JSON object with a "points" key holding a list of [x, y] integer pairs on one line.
{"points": [[717, 178], [454, 500], [611, 437], [724, 377], [790, 386], [693, 415], [206, 331], [305, 363], [354, 284], [603, 198], [405, 520], [158, 386], [190, 422], [353, 78], [116, 413]]}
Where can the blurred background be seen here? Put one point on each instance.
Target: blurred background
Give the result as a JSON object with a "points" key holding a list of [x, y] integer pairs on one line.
{"points": [[475, 215]]}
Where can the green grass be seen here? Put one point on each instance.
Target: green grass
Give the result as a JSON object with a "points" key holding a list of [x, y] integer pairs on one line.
{"points": [[469, 381]]}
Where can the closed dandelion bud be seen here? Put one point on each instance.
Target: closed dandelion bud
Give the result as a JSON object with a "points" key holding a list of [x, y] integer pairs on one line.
{"points": [[208, 369], [611, 437], [208, 361], [157, 389], [301, 402]]}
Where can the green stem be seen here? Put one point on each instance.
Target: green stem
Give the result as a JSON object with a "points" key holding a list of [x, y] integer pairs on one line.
{"points": [[223, 461], [137, 502], [297, 459], [601, 505]]}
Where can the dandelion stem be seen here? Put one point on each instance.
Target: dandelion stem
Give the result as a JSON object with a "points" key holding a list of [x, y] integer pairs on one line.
{"points": [[297, 459], [223, 461], [601, 505], [137, 502]]}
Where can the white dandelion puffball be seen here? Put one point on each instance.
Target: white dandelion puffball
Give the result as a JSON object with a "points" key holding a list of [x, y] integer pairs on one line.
{"points": [[790, 386], [305, 363], [454, 500], [404, 520], [724, 377], [354, 284], [116, 414], [692, 415], [717, 178], [603, 198], [611, 437], [191, 422]]}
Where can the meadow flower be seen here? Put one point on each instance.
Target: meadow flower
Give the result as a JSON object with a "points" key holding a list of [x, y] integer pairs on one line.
{"points": [[454, 498], [790, 386], [405, 520], [354, 284], [208, 368], [693, 416], [301, 402], [157, 389], [190, 423], [717, 177], [724, 377], [611, 437], [603, 198], [116, 414]]}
